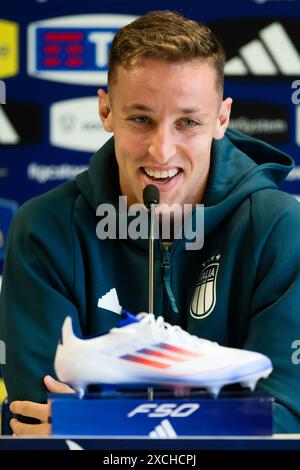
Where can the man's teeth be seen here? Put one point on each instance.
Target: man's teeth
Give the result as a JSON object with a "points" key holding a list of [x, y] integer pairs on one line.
{"points": [[161, 174]]}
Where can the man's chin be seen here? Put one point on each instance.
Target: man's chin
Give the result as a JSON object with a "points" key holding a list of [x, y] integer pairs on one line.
{"points": [[167, 206]]}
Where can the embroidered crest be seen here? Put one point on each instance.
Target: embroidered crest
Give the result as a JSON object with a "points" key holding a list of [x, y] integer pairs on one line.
{"points": [[204, 298]]}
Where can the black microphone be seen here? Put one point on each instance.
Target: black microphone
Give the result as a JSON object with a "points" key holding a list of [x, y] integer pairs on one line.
{"points": [[151, 195]]}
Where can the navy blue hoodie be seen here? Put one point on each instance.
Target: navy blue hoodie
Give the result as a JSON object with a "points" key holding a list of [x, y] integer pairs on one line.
{"points": [[250, 266]]}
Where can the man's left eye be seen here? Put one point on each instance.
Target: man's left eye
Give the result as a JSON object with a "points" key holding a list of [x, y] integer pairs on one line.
{"points": [[188, 122]]}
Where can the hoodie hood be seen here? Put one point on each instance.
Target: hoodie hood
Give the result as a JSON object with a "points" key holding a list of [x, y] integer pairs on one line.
{"points": [[240, 166], [239, 161]]}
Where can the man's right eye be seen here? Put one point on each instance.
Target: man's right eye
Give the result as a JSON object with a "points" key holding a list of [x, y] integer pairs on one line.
{"points": [[141, 120]]}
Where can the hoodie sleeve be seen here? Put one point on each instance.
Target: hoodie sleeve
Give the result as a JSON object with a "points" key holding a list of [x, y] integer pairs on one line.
{"points": [[275, 323], [36, 295]]}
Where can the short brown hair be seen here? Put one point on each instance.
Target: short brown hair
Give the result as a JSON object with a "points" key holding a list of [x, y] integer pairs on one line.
{"points": [[168, 36]]}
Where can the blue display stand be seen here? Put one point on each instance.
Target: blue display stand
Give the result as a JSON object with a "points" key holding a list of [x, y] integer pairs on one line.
{"points": [[132, 414]]}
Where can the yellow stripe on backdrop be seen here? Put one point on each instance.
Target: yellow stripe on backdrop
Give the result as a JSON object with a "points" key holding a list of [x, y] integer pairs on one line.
{"points": [[3, 395]]}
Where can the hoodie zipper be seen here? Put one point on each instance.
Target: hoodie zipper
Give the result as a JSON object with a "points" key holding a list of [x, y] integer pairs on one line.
{"points": [[166, 269]]}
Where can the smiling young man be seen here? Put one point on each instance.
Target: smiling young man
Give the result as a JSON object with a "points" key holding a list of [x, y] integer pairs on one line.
{"points": [[166, 110], [163, 134]]}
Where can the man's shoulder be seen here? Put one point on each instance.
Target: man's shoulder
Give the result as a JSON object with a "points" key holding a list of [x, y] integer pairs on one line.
{"points": [[274, 202], [60, 198], [272, 209], [48, 209]]}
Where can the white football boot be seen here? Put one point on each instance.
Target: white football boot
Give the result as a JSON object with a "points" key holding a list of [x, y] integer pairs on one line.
{"points": [[147, 350]]}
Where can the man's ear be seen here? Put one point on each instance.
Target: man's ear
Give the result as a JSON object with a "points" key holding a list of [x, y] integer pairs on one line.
{"points": [[223, 119], [104, 110]]}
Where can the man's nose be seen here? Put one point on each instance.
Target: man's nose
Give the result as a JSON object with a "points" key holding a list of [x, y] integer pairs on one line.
{"points": [[162, 146]]}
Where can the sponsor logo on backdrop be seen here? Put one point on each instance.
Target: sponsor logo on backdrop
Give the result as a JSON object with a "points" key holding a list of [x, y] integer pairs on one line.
{"points": [[8, 133], [294, 175], [9, 48], [297, 125], [75, 125], [260, 47], [7, 211], [265, 1], [20, 123], [73, 49], [263, 120], [44, 173], [2, 92], [295, 94], [3, 172]]}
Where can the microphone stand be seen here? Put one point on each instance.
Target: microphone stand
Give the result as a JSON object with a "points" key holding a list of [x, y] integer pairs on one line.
{"points": [[151, 199], [151, 258], [151, 274]]}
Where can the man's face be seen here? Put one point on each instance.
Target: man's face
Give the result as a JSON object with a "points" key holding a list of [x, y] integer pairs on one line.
{"points": [[164, 117]]}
